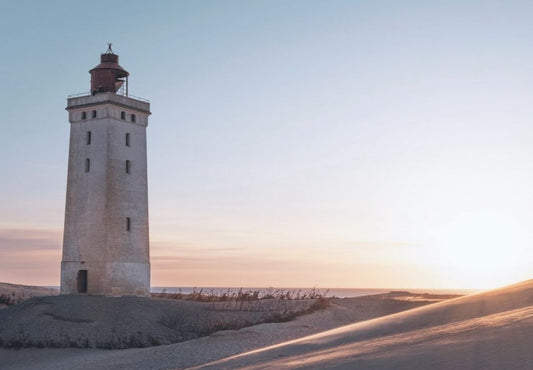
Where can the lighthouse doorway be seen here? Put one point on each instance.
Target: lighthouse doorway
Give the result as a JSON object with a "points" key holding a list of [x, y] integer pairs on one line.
{"points": [[82, 281]]}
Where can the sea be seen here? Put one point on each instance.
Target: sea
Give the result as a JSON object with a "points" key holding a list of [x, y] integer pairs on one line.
{"points": [[328, 292]]}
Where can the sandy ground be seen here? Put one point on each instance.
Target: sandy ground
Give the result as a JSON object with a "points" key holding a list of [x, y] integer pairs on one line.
{"points": [[487, 331], [84, 321], [492, 330], [16, 293], [219, 345]]}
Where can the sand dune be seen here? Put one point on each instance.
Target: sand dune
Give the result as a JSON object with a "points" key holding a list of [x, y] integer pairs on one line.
{"points": [[493, 330], [11, 294], [91, 319], [86, 321]]}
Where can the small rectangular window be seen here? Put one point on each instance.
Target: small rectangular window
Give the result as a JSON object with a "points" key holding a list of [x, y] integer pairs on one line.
{"points": [[88, 138], [87, 164], [128, 166], [83, 115], [93, 114], [127, 139], [128, 224], [123, 115], [133, 118]]}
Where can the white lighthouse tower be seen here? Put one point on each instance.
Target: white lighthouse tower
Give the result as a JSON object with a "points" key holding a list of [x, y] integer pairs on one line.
{"points": [[105, 241]]}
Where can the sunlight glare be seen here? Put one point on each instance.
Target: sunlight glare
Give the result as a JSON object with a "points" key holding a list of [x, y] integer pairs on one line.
{"points": [[481, 248]]}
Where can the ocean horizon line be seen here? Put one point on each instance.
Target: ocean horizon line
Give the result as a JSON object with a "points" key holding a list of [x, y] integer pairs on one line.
{"points": [[328, 292]]}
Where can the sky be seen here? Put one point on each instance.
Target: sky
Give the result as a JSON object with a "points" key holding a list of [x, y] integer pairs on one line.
{"points": [[353, 144]]}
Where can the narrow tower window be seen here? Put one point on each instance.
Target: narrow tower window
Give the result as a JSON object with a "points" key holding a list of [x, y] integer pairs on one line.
{"points": [[88, 138], [123, 115], [83, 115], [127, 139], [87, 164], [128, 224], [93, 114], [128, 165], [133, 118]]}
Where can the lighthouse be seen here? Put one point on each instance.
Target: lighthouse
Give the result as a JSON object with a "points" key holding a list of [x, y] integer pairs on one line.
{"points": [[106, 240]]}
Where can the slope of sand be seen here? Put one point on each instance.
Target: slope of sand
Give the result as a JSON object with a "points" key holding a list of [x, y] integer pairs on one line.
{"points": [[84, 321], [493, 330], [198, 351], [11, 294]]}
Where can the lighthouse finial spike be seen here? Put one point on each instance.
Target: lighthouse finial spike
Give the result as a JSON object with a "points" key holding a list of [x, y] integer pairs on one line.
{"points": [[109, 50]]}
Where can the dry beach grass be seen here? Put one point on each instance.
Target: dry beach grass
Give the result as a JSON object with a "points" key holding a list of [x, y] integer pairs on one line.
{"points": [[11, 294], [129, 322]]}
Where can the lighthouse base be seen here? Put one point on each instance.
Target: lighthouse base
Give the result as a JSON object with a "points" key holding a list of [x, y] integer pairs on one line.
{"points": [[105, 278]]}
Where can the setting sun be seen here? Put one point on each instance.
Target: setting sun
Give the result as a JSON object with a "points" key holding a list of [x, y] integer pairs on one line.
{"points": [[483, 248], [328, 145], [240, 184]]}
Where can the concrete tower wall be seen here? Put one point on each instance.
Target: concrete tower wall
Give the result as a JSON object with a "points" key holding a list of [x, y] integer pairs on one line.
{"points": [[106, 218]]}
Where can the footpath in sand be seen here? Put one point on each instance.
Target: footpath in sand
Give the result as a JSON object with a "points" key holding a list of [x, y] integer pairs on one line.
{"points": [[50, 315]]}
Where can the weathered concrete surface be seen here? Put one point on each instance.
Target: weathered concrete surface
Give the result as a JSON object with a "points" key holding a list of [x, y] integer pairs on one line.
{"points": [[102, 196]]}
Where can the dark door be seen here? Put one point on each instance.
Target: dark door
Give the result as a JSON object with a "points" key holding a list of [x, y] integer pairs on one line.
{"points": [[82, 281]]}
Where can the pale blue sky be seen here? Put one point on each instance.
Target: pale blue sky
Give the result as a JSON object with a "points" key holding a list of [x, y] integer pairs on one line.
{"points": [[329, 143]]}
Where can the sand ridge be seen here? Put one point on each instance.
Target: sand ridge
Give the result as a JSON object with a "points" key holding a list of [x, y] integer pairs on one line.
{"points": [[15, 293], [485, 331], [216, 346], [130, 322]]}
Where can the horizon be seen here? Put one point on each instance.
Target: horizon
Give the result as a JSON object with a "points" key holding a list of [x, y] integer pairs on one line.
{"points": [[290, 144], [156, 288], [348, 292]]}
